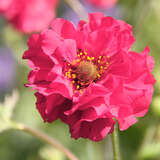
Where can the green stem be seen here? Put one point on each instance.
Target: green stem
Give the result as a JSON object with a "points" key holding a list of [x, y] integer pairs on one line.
{"points": [[90, 149], [45, 138], [115, 144], [78, 8]]}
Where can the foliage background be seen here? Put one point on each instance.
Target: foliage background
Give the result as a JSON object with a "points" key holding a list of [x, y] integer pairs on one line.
{"points": [[139, 142]]}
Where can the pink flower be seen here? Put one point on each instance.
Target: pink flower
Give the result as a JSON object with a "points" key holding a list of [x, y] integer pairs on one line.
{"points": [[87, 77], [103, 3], [28, 15]]}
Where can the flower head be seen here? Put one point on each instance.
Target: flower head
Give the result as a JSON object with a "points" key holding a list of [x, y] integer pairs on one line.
{"points": [[87, 77], [28, 15]]}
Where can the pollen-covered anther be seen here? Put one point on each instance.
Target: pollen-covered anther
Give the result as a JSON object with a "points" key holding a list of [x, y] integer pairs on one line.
{"points": [[78, 60], [98, 75], [73, 82], [74, 62], [99, 61], [78, 86], [89, 58], [85, 53], [99, 57], [73, 76], [86, 71]]}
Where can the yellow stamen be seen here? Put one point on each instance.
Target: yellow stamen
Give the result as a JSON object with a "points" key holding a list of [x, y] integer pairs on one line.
{"points": [[98, 75], [107, 63], [69, 75], [88, 58], [73, 82], [100, 57], [78, 60], [74, 62], [73, 76], [80, 91]]}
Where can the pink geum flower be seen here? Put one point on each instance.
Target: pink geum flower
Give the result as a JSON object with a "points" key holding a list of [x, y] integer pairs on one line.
{"points": [[28, 15], [103, 3], [87, 77]]}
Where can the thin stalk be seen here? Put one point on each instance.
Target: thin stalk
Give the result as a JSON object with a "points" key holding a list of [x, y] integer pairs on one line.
{"points": [[90, 149], [115, 144], [78, 8], [45, 138]]}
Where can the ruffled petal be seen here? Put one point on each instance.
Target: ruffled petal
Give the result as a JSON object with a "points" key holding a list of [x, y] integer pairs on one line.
{"points": [[125, 123], [68, 50], [64, 28], [52, 106], [50, 41], [86, 116], [93, 96], [95, 20], [58, 86], [36, 57], [141, 67], [95, 130], [104, 35], [119, 65]]}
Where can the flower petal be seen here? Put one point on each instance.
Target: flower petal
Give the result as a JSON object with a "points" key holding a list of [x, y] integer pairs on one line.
{"points": [[68, 50], [64, 28], [50, 41], [94, 130], [52, 106], [36, 57], [95, 20]]}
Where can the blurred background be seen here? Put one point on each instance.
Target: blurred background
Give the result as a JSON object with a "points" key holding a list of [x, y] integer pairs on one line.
{"points": [[139, 142]]}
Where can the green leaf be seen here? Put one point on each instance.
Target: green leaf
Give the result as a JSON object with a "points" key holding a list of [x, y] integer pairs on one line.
{"points": [[6, 110]]}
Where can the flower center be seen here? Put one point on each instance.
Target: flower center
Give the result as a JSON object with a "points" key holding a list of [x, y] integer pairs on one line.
{"points": [[85, 70]]}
